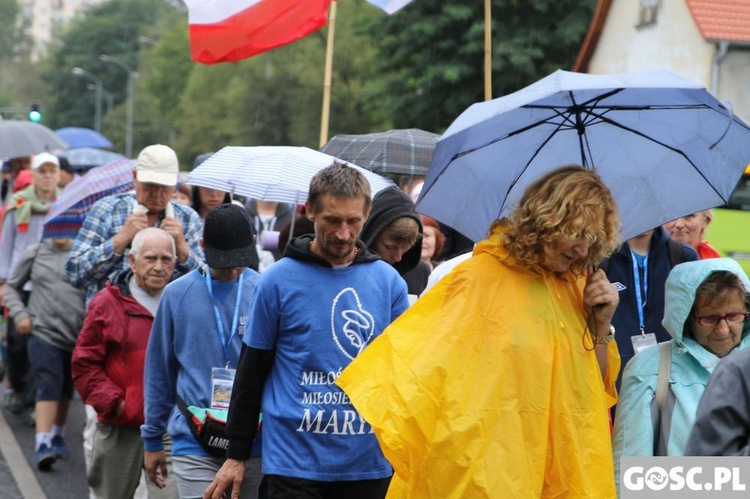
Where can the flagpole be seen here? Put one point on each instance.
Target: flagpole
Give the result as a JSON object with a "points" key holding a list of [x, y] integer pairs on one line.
{"points": [[487, 51], [327, 78]]}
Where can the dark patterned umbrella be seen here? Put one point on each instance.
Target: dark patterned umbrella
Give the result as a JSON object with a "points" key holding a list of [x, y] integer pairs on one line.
{"points": [[403, 152]]}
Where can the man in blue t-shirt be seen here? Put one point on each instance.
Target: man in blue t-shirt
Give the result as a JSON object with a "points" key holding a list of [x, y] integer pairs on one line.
{"points": [[193, 353], [314, 311]]}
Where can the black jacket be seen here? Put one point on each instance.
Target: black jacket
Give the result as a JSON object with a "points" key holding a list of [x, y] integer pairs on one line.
{"points": [[620, 273]]}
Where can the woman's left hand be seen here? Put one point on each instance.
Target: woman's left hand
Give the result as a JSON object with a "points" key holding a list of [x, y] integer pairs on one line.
{"points": [[602, 294]]}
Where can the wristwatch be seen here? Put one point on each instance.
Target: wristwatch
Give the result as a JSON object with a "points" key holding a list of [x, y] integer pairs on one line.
{"points": [[605, 340]]}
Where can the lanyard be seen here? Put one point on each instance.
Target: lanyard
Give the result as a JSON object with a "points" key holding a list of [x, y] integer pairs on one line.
{"points": [[640, 301], [219, 323]]}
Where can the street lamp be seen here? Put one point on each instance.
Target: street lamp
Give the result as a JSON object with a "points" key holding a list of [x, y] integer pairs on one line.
{"points": [[98, 98], [107, 95], [132, 74]]}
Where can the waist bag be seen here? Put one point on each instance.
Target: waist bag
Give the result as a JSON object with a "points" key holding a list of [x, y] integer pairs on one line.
{"points": [[207, 426]]}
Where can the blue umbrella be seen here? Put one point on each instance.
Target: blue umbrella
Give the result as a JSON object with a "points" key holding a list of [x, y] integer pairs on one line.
{"points": [[83, 137], [663, 144]]}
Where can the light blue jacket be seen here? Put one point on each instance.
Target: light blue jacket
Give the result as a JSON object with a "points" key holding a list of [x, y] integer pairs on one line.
{"points": [[692, 365]]}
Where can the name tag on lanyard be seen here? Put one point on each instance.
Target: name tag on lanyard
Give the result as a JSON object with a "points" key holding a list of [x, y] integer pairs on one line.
{"points": [[642, 340], [222, 380]]}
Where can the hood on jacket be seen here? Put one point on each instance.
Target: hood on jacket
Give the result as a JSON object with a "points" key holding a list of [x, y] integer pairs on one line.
{"points": [[121, 279], [387, 206], [494, 246], [299, 249], [680, 290]]}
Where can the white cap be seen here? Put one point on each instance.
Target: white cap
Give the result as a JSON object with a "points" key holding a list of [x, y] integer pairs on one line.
{"points": [[43, 159], [157, 164]]}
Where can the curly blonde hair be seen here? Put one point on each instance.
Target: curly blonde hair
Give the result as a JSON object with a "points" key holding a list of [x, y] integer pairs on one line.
{"points": [[567, 203]]}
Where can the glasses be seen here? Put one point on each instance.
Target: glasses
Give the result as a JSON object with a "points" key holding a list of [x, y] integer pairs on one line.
{"points": [[714, 320]]}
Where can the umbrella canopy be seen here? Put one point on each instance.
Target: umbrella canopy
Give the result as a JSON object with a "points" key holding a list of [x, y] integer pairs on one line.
{"points": [[83, 137], [25, 138], [270, 173], [663, 144], [403, 152], [67, 213], [84, 158]]}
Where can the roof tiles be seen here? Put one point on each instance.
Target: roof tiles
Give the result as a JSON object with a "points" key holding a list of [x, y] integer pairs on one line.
{"points": [[722, 19]]}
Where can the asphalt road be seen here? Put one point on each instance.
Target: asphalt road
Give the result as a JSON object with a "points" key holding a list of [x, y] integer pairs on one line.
{"points": [[19, 477]]}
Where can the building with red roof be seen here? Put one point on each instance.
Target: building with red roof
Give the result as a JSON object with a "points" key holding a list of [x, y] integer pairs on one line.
{"points": [[707, 41]]}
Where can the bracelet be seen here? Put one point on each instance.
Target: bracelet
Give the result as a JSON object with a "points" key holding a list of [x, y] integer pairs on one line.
{"points": [[605, 340]]}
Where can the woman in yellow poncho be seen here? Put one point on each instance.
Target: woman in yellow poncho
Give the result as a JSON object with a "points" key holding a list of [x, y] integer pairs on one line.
{"points": [[497, 382]]}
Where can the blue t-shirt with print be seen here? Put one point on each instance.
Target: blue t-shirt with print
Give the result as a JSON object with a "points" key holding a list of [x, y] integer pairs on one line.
{"points": [[318, 319]]}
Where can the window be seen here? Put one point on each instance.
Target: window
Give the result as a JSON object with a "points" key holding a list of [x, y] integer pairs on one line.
{"points": [[647, 13]]}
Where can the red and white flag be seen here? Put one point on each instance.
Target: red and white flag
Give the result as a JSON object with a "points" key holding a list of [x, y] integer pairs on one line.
{"points": [[232, 30]]}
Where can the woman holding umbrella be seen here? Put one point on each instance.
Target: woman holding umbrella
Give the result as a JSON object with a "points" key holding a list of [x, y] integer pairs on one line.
{"points": [[496, 383]]}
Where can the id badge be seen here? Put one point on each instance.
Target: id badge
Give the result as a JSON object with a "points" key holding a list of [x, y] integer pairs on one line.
{"points": [[221, 387], [643, 341]]}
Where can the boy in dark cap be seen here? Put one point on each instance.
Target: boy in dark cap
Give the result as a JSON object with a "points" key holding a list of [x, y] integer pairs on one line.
{"points": [[194, 350]]}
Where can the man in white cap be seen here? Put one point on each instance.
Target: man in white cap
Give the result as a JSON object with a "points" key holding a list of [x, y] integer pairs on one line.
{"points": [[23, 226], [102, 245]]}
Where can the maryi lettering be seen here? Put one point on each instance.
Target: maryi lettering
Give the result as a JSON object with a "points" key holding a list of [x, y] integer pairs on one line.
{"points": [[351, 423]]}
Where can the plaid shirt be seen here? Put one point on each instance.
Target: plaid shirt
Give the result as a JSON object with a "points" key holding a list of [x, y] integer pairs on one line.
{"points": [[93, 260]]}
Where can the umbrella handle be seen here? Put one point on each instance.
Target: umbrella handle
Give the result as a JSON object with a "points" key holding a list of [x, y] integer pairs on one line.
{"points": [[728, 106]]}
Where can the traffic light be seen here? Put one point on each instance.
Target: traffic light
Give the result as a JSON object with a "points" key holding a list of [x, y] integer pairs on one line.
{"points": [[35, 111]]}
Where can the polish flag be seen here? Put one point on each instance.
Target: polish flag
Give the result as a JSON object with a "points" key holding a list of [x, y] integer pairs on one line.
{"points": [[390, 6], [232, 30]]}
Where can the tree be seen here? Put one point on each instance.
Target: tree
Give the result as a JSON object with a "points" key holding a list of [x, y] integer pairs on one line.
{"points": [[14, 41], [431, 59], [110, 28]]}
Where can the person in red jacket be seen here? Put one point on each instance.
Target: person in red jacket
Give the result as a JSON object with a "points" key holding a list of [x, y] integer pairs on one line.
{"points": [[690, 230], [108, 362]]}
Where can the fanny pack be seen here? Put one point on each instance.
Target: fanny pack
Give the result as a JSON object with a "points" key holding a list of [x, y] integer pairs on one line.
{"points": [[208, 426]]}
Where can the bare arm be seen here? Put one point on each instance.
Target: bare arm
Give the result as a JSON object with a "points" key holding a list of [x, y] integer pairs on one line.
{"points": [[600, 299]]}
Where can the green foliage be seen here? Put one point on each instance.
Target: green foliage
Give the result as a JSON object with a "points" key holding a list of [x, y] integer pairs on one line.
{"points": [[431, 66], [110, 28], [418, 68], [14, 42]]}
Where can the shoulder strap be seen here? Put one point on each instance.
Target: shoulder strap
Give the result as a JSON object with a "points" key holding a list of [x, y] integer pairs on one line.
{"points": [[675, 252], [665, 367]]}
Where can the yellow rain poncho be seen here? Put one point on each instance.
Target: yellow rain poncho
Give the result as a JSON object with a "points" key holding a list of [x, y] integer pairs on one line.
{"points": [[483, 388]]}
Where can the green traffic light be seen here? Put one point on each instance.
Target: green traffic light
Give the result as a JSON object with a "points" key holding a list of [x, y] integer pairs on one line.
{"points": [[35, 116]]}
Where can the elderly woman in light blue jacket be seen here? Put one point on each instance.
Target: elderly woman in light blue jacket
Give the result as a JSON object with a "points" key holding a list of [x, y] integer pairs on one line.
{"points": [[706, 314]]}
